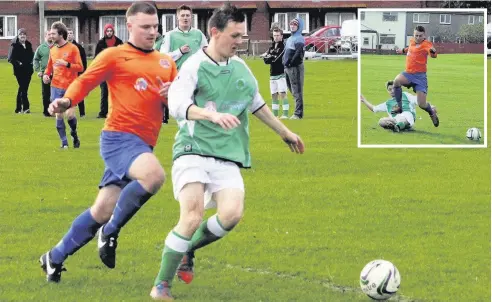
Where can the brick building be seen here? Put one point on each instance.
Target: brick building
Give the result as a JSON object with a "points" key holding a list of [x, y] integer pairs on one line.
{"points": [[87, 18]]}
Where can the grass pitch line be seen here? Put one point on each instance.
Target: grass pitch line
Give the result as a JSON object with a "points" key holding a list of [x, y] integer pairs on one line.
{"points": [[324, 283]]}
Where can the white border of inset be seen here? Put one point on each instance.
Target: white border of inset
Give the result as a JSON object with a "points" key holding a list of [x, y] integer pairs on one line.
{"points": [[485, 126]]}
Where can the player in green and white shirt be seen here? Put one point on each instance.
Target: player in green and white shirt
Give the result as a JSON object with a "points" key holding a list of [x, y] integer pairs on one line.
{"points": [[213, 94], [395, 121], [183, 41]]}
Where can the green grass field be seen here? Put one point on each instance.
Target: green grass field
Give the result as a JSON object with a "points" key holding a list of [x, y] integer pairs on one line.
{"points": [[456, 88], [311, 222]]}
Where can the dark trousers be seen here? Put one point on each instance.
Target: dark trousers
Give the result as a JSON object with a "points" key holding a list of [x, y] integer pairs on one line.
{"points": [[295, 83], [82, 108], [166, 114], [104, 100], [45, 90], [23, 79]]}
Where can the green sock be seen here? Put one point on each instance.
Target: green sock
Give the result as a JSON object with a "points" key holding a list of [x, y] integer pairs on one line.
{"points": [[275, 107], [174, 250], [401, 125], [209, 231], [285, 107]]}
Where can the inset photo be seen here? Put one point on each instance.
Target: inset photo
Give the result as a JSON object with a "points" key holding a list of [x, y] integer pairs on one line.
{"points": [[422, 78]]}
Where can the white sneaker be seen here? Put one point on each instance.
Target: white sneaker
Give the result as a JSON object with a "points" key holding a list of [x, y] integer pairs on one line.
{"points": [[284, 117], [295, 117]]}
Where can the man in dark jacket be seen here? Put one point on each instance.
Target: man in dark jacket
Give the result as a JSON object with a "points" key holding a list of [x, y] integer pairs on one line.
{"points": [[294, 67], [21, 56], [71, 39], [278, 84], [109, 40]]}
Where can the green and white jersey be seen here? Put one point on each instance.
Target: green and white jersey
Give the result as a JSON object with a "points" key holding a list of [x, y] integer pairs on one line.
{"points": [[408, 102], [176, 38], [228, 87]]}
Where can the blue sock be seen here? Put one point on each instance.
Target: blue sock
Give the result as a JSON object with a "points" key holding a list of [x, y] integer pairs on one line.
{"points": [[83, 229], [73, 124], [60, 126], [398, 95], [428, 108], [132, 197]]}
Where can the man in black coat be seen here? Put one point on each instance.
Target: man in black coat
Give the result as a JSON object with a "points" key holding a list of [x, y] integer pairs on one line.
{"points": [[20, 56], [109, 40], [71, 39]]}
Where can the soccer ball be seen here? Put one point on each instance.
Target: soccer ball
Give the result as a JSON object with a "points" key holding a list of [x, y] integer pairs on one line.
{"points": [[380, 279], [474, 134]]}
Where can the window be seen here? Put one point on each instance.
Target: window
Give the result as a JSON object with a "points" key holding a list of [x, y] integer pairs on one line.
{"points": [[480, 19], [471, 19], [283, 20], [8, 27], [390, 16], [421, 18], [332, 32], [69, 21], [119, 23], [366, 41], [445, 19], [363, 16], [332, 19], [387, 39], [336, 19], [170, 22]]}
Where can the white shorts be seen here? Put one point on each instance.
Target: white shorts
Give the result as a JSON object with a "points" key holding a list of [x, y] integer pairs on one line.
{"points": [[279, 85], [214, 173], [405, 117]]}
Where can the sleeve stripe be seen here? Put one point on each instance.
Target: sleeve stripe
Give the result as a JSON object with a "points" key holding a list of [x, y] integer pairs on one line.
{"points": [[259, 108]]}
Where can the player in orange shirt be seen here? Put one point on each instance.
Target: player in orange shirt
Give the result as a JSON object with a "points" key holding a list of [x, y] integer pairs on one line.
{"points": [[63, 67], [415, 74], [138, 78]]}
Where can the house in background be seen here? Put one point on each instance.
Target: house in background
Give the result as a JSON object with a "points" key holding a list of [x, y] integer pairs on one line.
{"points": [[387, 29], [87, 18], [441, 26]]}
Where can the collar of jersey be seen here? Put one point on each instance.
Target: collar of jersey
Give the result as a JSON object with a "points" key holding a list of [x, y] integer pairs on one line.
{"points": [[141, 49]]}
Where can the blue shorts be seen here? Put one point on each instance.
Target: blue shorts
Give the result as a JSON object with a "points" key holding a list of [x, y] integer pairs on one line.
{"points": [[418, 81], [119, 150], [56, 93]]}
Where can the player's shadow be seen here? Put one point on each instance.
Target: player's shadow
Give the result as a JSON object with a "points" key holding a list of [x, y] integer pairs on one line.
{"points": [[461, 140]]}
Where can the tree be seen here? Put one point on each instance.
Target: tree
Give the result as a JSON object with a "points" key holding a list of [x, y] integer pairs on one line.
{"points": [[471, 33], [467, 4], [444, 34]]}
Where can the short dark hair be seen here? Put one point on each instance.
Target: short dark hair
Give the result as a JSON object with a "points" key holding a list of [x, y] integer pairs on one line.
{"points": [[277, 30], [141, 7], [389, 83], [69, 29], [223, 15], [183, 7], [60, 28], [420, 28]]}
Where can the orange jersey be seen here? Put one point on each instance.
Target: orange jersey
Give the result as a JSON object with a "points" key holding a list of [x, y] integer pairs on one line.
{"points": [[417, 56], [63, 75], [132, 75]]}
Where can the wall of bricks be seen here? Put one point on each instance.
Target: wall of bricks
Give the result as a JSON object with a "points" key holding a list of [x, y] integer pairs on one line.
{"points": [[27, 17]]}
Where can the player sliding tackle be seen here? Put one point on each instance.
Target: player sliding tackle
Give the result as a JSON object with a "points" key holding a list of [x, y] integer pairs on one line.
{"points": [[415, 74], [395, 121], [213, 93]]}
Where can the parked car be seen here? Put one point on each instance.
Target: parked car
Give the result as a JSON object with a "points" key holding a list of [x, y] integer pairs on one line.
{"points": [[322, 39]]}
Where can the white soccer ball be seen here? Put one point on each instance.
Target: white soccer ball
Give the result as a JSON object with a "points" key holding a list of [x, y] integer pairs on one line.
{"points": [[380, 279], [474, 134]]}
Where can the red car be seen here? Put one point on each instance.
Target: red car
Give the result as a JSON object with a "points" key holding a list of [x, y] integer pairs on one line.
{"points": [[322, 39]]}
